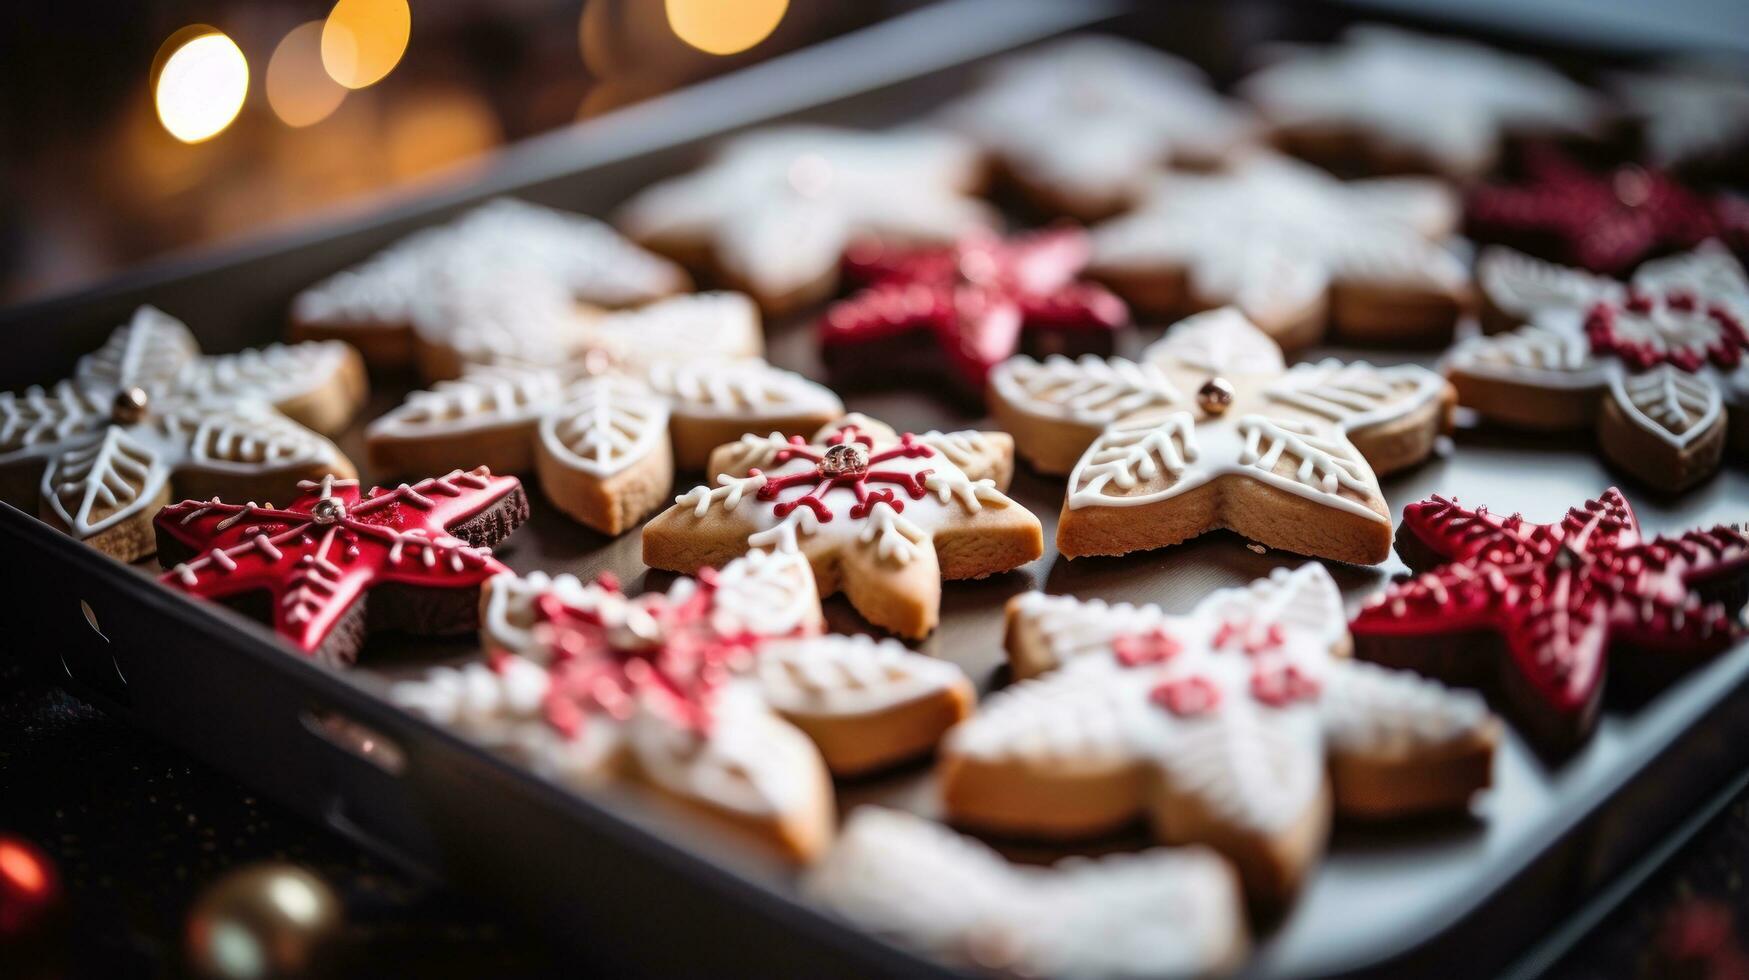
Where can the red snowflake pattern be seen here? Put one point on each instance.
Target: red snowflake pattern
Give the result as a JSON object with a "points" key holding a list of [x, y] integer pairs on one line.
{"points": [[1682, 332], [847, 461], [1558, 598]]}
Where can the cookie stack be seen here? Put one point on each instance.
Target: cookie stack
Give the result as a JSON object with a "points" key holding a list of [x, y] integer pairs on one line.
{"points": [[1335, 197]]}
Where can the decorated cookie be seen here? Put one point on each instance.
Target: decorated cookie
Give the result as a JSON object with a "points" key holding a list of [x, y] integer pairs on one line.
{"points": [[1657, 366], [336, 563], [773, 211], [1534, 611], [882, 517], [605, 429], [953, 313], [1234, 726], [147, 417], [1079, 125], [1390, 100], [720, 692], [1162, 913], [413, 294], [1298, 251], [1210, 430], [1694, 117], [1606, 222]]}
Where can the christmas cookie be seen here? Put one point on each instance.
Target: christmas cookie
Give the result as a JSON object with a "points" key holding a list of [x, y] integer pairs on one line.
{"points": [[605, 429], [1657, 366], [1080, 125], [429, 280], [1534, 611], [335, 564], [1296, 250], [1235, 726], [1210, 430], [1389, 100], [952, 313], [773, 210], [720, 692], [1607, 222], [147, 417], [1162, 913], [882, 517]]}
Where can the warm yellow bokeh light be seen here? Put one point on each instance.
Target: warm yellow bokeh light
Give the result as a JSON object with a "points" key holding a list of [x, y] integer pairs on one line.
{"points": [[724, 26], [201, 87], [298, 89], [363, 40]]}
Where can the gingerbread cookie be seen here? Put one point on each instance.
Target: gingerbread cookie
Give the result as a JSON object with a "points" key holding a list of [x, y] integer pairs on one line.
{"points": [[881, 516], [1210, 430], [953, 313], [147, 416], [336, 564], [1162, 913], [1298, 251], [774, 210], [1234, 726], [1080, 125], [1605, 222], [418, 290], [720, 692], [1657, 366], [605, 430], [1534, 611], [1388, 100]]}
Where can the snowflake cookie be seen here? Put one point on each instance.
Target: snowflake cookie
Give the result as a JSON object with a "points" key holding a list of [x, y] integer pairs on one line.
{"points": [[147, 416], [954, 312], [1167, 912], [1534, 611], [773, 210], [1657, 365], [1079, 125], [1297, 250], [1210, 430], [1603, 221], [721, 692], [1391, 100], [507, 269], [1233, 726], [882, 517], [310, 567], [603, 433]]}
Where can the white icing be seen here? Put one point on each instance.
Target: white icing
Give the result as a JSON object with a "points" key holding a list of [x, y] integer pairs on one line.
{"points": [[1219, 342], [1258, 765], [604, 426], [1164, 912], [1445, 100], [1091, 390], [1526, 287], [778, 206], [208, 413], [1668, 402], [745, 390], [1270, 235], [1092, 117], [1690, 112], [845, 676]]}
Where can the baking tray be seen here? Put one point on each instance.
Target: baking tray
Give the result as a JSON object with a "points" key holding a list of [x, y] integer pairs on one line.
{"points": [[634, 885]]}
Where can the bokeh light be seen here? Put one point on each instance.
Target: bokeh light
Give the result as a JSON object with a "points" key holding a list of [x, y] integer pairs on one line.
{"points": [[363, 40], [201, 85], [724, 26], [298, 88]]}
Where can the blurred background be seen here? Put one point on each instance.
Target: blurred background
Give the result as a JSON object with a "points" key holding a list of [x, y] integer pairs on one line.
{"points": [[149, 127]]}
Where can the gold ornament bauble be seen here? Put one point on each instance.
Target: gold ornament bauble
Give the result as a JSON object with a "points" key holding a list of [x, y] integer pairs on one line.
{"points": [[263, 920], [1215, 396]]}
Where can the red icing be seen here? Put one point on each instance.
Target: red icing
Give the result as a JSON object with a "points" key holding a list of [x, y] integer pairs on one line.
{"points": [[1187, 697], [1725, 350], [1561, 595], [677, 658], [821, 480], [1248, 636], [1145, 649], [975, 298], [1281, 684], [314, 570], [1605, 222]]}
